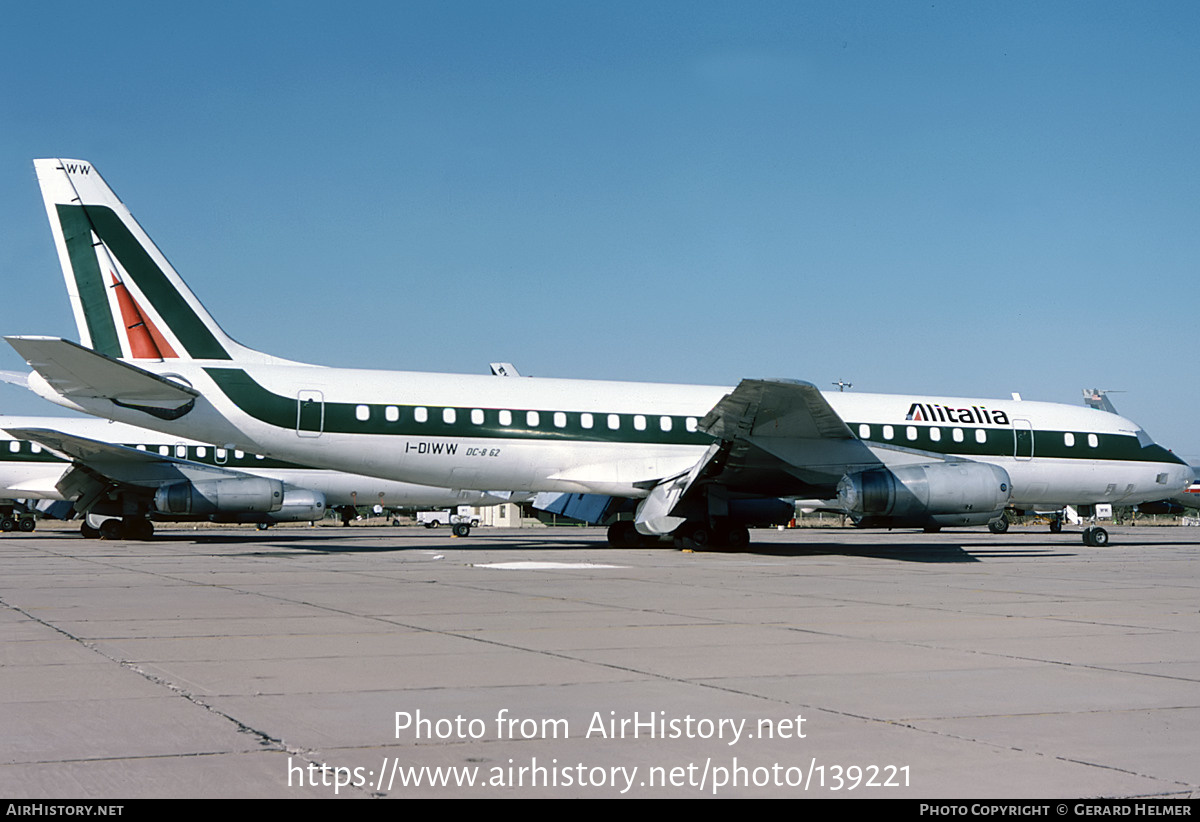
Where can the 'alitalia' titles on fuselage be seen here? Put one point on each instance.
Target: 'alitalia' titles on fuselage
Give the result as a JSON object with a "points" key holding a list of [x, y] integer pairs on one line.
{"points": [[974, 415]]}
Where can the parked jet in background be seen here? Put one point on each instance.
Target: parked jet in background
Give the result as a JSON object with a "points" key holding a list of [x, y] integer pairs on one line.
{"points": [[119, 488], [697, 462]]}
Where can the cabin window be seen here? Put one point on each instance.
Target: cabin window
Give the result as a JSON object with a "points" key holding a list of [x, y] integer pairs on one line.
{"points": [[532, 418], [391, 413], [141, 448], [639, 422], [958, 435], [560, 419], [200, 452], [864, 431], [935, 434], [258, 456], [586, 420], [664, 423], [911, 432], [888, 432], [690, 425], [506, 418], [362, 413], [222, 454], [477, 416], [237, 455], [1068, 439], [164, 450], [614, 421], [420, 413], [449, 416], [1093, 440], [35, 448], [980, 436], [14, 446], [181, 451]]}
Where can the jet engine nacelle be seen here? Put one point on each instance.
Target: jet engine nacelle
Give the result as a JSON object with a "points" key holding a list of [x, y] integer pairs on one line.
{"points": [[232, 495], [1164, 506], [934, 494], [299, 505]]}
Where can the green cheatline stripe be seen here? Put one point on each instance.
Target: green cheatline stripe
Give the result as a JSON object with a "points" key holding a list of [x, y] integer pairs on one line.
{"points": [[26, 455], [247, 461], [140, 266], [342, 418], [1046, 444]]}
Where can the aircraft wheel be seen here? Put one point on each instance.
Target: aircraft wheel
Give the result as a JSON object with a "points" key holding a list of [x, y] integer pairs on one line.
{"points": [[27, 524], [1096, 537], [262, 526], [693, 536], [738, 537], [7, 524], [998, 526], [137, 528], [462, 529], [932, 529], [88, 531], [395, 522], [1056, 526], [112, 529], [622, 534]]}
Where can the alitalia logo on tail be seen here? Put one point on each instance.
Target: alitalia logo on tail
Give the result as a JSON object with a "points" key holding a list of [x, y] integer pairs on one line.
{"points": [[974, 415]]}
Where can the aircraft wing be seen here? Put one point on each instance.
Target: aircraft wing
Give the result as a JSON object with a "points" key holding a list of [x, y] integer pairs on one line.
{"points": [[74, 371], [782, 434], [773, 438], [119, 464]]}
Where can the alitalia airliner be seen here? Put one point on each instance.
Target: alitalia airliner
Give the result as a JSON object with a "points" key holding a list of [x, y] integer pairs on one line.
{"points": [[698, 463], [120, 479]]}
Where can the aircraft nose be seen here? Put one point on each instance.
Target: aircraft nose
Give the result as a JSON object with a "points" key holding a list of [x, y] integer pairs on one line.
{"points": [[1180, 478]]}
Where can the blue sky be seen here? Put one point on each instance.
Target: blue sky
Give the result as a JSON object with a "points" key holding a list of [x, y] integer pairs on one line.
{"points": [[954, 199]]}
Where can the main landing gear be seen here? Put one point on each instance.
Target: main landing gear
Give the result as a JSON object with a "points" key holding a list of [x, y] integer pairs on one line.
{"points": [[115, 528], [15, 523], [700, 536], [1095, 536], [691, 536]]}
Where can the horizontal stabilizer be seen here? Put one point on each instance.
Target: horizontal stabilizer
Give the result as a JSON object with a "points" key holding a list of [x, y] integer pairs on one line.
{"points": [[75, 372]]}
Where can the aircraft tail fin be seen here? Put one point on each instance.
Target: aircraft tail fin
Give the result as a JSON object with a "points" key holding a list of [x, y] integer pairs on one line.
{"points": [[129, 303]]}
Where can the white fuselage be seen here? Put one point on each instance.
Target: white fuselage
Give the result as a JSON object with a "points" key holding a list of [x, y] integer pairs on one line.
{"points": [[536, 434]]}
